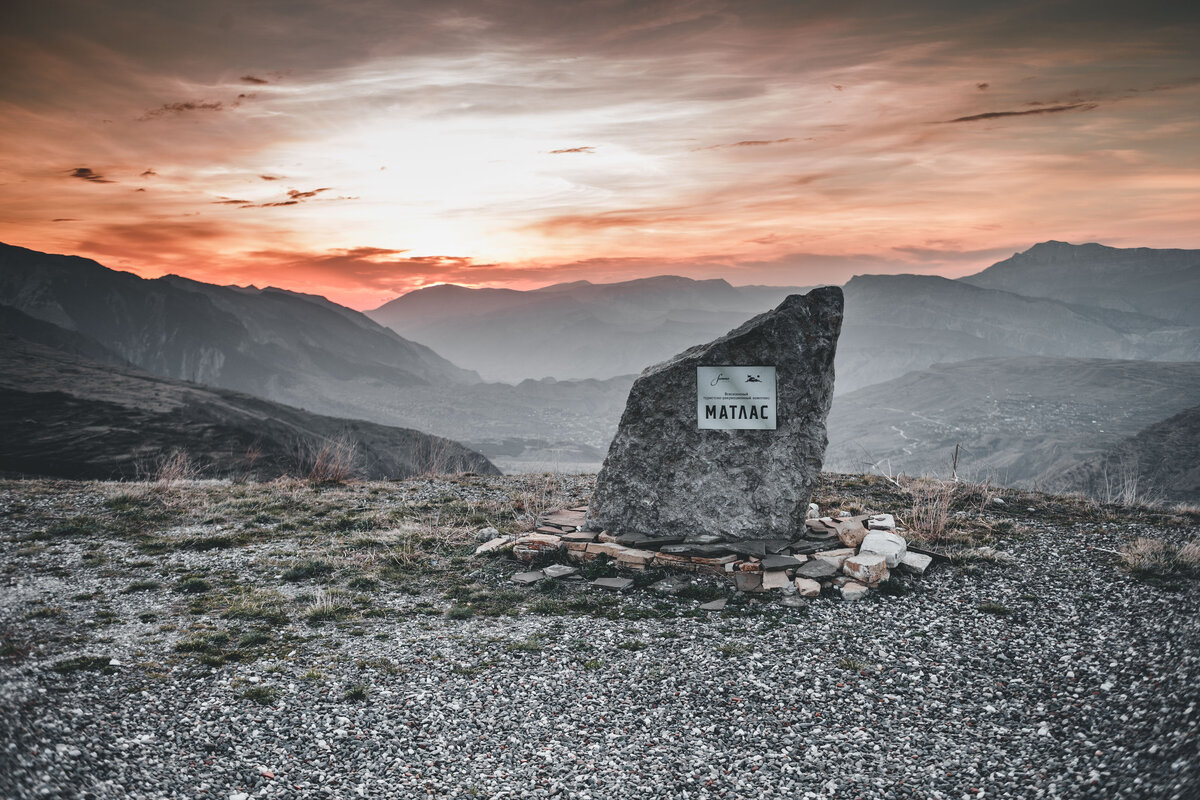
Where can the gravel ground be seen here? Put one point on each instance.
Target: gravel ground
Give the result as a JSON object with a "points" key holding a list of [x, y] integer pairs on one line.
{"points": [[1056, 675]]}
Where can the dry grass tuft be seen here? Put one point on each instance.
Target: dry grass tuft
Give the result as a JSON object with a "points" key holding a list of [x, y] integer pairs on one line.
{"points": [[171, 469], [330, 460], [1157, 558], [930, 512]]}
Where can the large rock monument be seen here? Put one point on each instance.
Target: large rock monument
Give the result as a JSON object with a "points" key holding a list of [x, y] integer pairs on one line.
{"points": [[724, 442]]}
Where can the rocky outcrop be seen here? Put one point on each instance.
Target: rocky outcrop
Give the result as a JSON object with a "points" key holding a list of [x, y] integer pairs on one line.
{"points": [[666, 475]]}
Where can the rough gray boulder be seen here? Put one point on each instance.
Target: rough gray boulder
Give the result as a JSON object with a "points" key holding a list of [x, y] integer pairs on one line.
{"points": [[666, 476]]}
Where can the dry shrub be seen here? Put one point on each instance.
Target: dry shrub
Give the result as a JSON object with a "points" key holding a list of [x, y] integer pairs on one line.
{"points": [[330, 460], [174, 468], [1188, 556], [930, 513]]}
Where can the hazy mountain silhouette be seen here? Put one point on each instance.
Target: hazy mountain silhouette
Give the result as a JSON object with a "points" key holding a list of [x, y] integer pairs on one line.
{"points": [[18, 324], [996, 352], [577, 330], [65, 415], [893, 323], [898, 323]]}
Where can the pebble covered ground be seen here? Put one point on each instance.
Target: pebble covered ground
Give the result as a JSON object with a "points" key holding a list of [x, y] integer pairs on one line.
{"points": [[327, 658]]}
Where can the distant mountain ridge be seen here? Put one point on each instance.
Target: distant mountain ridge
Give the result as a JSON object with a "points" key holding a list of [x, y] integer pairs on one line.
{"points": [[284, 346], [1162, 283], [893, 323], [1157, 463], [573, 331], [898, 323]]}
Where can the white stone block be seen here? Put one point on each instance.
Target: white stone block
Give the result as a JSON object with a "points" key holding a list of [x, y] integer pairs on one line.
{"points": [[889, 545]]}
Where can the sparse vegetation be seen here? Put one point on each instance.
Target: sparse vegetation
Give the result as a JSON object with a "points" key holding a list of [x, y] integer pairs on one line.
{"points": [[733, 649], [263, 695], [326, 606], [531, 645], [83, 664], [307, 570], [1155, 558], [193, 586], [930, 510]]}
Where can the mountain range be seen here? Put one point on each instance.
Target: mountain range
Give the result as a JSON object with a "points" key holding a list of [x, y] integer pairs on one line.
{"points": [[893, 323], [289, 347], [573, 331], [915, 351]]}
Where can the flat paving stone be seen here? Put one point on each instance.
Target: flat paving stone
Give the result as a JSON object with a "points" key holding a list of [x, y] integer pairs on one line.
{"points": [[528, 578], [754, 547], [559, 571], [817, 568], [715, 605], [613, 584]]}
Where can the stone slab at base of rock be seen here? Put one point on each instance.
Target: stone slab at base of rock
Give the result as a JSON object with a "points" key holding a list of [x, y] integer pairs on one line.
{"points": [[531, 546], [613, 584], [715, 605], [836, 560], [559, 571], [881, 522], [817, 568], [632, 558], [492, 545], [748, 581], [851, 530], [889, 545], [733, 484], [528, 578], [775, 579]]}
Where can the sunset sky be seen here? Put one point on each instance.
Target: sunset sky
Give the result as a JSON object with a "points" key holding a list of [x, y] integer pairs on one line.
{"points": [[362, 148]]}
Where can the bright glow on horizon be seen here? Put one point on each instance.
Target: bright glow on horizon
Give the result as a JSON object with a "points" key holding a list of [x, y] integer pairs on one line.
{"points": [[414, 146]]}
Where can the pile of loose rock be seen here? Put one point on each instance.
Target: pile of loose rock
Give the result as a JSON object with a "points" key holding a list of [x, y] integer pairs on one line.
{"points": [[847, 554]]}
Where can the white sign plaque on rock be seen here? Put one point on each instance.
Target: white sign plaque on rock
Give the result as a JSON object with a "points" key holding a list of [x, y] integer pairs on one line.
{"points": [[735, 398]]}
